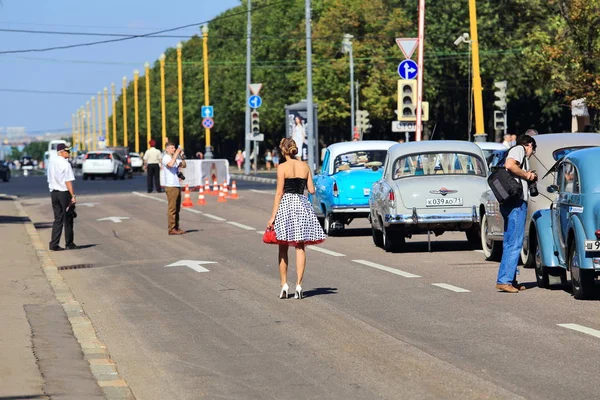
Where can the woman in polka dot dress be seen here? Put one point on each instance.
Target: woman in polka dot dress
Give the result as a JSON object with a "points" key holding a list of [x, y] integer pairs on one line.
{"points": [[293, 216]]}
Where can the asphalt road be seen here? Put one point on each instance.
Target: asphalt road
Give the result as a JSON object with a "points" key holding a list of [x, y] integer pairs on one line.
{"points": [[414, 325]]}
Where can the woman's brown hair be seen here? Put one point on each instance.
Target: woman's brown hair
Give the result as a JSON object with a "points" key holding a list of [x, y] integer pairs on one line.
{"points": [[288, 147]]}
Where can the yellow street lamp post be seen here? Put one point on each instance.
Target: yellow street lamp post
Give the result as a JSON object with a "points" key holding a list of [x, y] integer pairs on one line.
{"points": [[100, 130], [125, 139], [180, 92], [148, 119], [136, 77], [114, 113], [106, 116], [162, 100], [74, 130], [82, 128], [477, 89], [94, 123], [208, 150], [89, 122]]}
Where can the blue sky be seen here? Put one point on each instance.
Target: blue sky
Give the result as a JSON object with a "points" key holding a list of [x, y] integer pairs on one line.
{"points": [[86, 69]]}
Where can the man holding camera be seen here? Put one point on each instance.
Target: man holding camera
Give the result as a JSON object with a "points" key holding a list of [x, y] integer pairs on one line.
{"points": [[515, 212], [172, 161]]}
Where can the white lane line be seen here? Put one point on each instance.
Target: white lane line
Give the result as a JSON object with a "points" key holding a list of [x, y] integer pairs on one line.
{"points": [[150, 197], [451, 287], [262, 191], [388, 269], [246, 227], [478, 251], [325, 251], [193, 211], [582, 329], [260, 232], [214, 217]]}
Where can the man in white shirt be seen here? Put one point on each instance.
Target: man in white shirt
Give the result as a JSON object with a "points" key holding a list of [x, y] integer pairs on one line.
{"points": [[62, 193], [152, 159], [171, 164]]}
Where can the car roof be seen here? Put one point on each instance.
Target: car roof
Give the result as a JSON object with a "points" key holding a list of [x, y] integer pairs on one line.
{"points": [[491, 146], [428, 146], [548, 143], [101, 152], [346, 147]]}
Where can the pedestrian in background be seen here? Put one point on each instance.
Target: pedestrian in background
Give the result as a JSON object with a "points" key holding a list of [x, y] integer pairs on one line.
{"points": [[293, 217], [153, 166], [62, 193], [268, 159], [239, 159], [172, 162], [275, 158], [514, 213]]}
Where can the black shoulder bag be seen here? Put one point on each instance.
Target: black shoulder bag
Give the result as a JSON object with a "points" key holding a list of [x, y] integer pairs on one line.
{"points": [[504, 185]]}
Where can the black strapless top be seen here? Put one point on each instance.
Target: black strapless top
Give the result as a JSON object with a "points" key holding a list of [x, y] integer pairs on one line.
{"points": [[294, 185]]}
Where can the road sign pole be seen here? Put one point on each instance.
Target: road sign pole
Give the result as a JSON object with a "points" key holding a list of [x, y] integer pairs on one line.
{"points": [[419, 131], [248, 78], [310, 132]]}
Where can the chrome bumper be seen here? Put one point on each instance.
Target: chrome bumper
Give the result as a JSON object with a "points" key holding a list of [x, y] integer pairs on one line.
{"points": [[445, 218], [350, 209]]}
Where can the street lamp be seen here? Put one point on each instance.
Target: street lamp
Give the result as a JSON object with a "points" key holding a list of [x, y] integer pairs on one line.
{"points": [[74, 130], [347, 48], [208, 148], [100, 131], [81, 128], [106, 116], [180, 92], [162, 99], [114, 113], [148, 120], [89, 129], [125, 138], [465, 38], [136, 77], [94, 123]]}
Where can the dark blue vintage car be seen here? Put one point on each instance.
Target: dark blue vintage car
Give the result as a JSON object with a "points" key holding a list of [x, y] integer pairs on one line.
{"points": [[569, 232]]}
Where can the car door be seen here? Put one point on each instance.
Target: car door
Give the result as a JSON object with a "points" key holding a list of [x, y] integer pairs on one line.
{"points": [[566, 181]]}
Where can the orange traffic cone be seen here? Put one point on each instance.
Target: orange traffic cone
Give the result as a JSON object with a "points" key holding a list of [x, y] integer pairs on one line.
{"points": [[234, 194], [207, 186], [187, 199], [216, 189], [201, 200], [225, 189], [222, 198]]}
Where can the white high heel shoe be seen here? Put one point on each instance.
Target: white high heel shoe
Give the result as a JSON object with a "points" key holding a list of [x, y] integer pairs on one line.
{"points": [[298, 294], [284, 291]]}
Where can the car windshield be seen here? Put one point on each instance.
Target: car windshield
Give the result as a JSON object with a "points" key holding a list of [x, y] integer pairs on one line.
{"points": [[98, 156], [442, 163], [359, 159]]}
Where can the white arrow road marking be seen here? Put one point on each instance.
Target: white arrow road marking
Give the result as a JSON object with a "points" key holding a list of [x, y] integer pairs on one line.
{"points": [[246, 227], [116, 220], [388, 269], [87, 204], [451, 287], [582, 329], [193, 264]]}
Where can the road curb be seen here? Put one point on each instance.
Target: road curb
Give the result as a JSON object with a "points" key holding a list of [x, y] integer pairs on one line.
{"points": [[252, 178], [102, 366]]}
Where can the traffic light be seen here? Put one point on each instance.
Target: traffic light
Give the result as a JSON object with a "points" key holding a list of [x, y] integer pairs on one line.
{"points": [[424, 111], [254, 122], [362, 120], [407, 100], [499, 120], [501, 95]]}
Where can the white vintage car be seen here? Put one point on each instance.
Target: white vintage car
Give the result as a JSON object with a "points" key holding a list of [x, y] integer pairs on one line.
{"points": [[431, 186]]}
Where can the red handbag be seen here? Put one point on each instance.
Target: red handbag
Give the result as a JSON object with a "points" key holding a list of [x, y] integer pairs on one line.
{"points": [[269, 236]]}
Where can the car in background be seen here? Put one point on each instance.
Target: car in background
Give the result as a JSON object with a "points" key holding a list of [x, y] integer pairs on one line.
{"points": [[429, 186], [4, 171], [137, 163], [550, 148], [78, 161], [124, 153], [490, 149], [568, 234], [343, 185], [104, 163], [26, 163]]}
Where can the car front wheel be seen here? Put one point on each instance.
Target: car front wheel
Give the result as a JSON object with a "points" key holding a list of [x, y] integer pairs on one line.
{"points": [[492, 249]]}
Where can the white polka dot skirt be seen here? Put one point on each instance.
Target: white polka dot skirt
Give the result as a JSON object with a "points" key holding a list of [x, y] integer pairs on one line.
{"points": [[296, 222]]}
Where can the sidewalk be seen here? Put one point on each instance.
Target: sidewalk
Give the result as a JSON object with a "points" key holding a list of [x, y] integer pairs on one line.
{"points": [[39, 355]]}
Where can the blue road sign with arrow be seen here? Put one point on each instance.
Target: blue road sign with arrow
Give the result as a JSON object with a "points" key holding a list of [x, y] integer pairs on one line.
{"points": [[254, 101], [408, 69], [208, 112]]}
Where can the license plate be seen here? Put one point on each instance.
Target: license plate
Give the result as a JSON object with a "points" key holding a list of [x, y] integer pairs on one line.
{"points": [[592, 245], [444, 201], [366, 192]]}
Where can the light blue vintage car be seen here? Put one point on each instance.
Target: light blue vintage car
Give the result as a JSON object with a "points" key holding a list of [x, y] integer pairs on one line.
{"points": [[343, 185], [568, 233]]}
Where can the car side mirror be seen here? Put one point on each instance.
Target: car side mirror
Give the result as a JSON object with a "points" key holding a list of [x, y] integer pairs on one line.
{"points": [[552, 189]]}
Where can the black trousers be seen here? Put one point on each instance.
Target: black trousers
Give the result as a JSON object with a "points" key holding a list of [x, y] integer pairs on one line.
{"points": [[60, 202], [153, 176]]}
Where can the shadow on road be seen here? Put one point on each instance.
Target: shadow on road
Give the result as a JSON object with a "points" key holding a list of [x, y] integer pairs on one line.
{"points": [[352, 232], [320, 291], [9, 219], [43, 225], [31, 396]]}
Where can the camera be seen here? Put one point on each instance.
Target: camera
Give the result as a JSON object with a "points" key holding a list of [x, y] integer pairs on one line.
{"points": [[533, 189], [182, 177]]}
